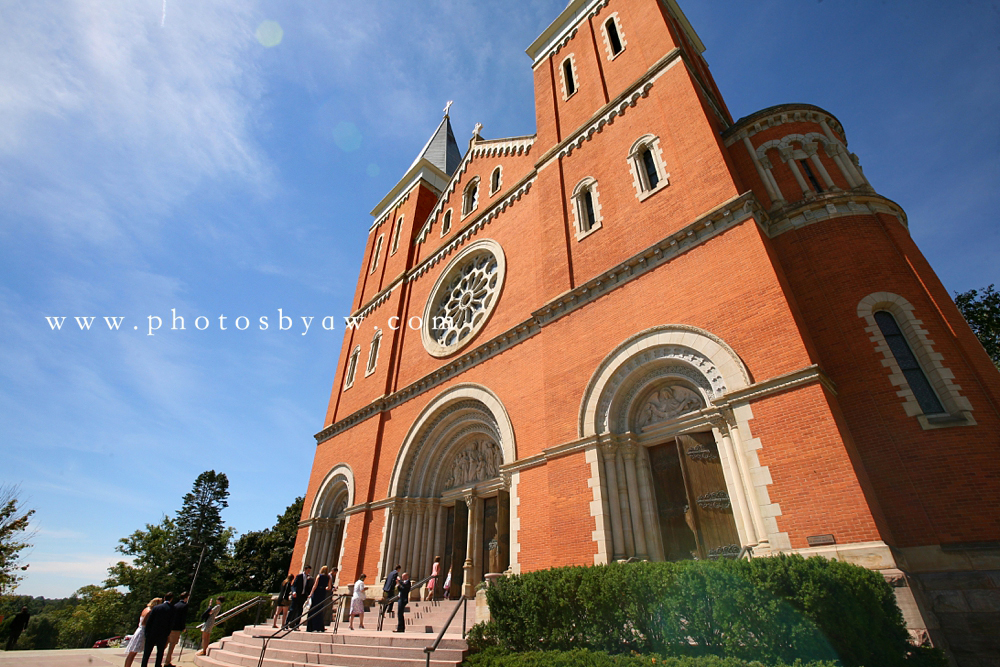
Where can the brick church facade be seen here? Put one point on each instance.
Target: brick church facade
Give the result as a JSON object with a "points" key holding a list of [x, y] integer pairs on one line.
{"points": [[650, 331]]}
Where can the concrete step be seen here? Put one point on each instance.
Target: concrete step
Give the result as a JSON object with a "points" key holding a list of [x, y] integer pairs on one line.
{"points": [[361, 648]]}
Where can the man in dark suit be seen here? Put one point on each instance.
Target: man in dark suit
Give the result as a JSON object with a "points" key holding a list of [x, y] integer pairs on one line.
{"points": [[158, 623], [404, 597], [17, 626], [300, 591], [177, 625], [390, 585]]}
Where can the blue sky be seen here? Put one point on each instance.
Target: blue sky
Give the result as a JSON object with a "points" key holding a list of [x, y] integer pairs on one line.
{"points": [[158, 156]]}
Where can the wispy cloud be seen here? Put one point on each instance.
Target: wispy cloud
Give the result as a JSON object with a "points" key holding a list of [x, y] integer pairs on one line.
{"points": [[111, 119]]}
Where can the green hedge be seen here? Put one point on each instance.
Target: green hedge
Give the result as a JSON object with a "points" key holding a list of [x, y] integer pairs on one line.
{"points": [[775, 610], [230, 625], [583, 658]]}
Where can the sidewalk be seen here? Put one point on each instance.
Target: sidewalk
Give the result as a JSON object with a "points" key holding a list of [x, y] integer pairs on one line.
{"points": [[83, 657]]}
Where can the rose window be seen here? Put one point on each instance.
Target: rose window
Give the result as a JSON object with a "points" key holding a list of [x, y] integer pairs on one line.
{"points": [[463, 298]]}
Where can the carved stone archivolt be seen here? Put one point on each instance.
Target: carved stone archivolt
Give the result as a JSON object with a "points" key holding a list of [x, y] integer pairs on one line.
{"points": [[664, 362], [666, 403], [479, 460]]}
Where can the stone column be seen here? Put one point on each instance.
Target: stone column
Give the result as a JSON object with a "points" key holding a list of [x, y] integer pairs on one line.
{"points": [[618, 539], [846, 164], [439, 535], [811, 151], [427, 543], [404, 541], [648, 501], [468, 588], [641, 548], [628, 544], [771, 192], [392, 515], [721, 433], [310, 543], [322, 544], [765, 162], [763, 543], [786, 155], [503, 527], [416, 533]]}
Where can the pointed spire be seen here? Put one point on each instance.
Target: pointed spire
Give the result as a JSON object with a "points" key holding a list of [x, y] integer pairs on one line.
{"points": [[441, 149]]}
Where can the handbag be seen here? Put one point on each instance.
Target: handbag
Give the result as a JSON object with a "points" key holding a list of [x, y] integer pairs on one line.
{"points": [[307, 606]]}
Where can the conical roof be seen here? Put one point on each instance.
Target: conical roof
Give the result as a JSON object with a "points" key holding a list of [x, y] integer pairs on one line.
{"points": [[441, 150]]}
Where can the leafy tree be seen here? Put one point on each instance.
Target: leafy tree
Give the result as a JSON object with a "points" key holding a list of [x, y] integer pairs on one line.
{"points": [[982, 312], [260, 559], [99, 614], [13, 537], [149, 574]]}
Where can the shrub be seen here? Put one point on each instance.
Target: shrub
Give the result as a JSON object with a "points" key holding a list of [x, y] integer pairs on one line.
{"points": [[775, 610], [495, 657]]}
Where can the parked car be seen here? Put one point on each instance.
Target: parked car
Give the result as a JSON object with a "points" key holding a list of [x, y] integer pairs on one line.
{"points": [[110, 642]]}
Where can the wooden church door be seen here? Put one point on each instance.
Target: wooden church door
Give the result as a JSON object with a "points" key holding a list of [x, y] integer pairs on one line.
{"points": [[695, 513]]}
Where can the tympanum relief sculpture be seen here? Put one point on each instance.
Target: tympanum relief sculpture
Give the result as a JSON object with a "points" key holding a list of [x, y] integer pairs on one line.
{"points": [[666, 403], [478, 461]]}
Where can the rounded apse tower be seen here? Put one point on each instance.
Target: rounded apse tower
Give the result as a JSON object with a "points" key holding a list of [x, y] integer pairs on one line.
{"points": [[915, 389]]}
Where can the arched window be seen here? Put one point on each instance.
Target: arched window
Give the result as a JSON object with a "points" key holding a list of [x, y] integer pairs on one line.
{"points": [[470, 200], [352, 368], [615, 41], [907, 361], [568, 76], [586, 208], [373, 353], [378, 253], [495, 181], [446, 223], [925, 385], [648, 170], [396, 234]]}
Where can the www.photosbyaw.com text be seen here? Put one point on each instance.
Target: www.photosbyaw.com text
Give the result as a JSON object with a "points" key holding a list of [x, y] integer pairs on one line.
{"points": [[151, 324]]}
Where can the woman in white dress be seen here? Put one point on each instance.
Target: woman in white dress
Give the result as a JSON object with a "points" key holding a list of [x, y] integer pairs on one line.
{"points": [[358, 602], [138, 637]]}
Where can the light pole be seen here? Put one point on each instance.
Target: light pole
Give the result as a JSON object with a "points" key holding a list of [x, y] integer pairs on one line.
{"points": [[197, 569]]}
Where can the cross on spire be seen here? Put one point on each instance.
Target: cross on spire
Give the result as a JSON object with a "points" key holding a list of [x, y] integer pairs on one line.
{"points": [[447, 107], [477, 129]]}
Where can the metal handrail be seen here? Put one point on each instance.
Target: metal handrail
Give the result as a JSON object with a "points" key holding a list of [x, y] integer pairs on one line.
{"points": [[292, 627], [463, 603], [240, 608], [385, 604]]}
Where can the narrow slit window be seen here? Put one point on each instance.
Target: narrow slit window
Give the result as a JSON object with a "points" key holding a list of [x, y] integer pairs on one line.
{"points": [[810, 175], [589, 216], [907, 361], [568, 76], [378, 253], [446, 224], [395, 238], [649, 164], [495, 181], [373, 353], [352, 368], [613, 38]]}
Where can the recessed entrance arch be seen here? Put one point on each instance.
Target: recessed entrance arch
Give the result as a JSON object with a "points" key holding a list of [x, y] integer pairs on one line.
{"points": [[449, 498], [328, 520], [673, 484]]}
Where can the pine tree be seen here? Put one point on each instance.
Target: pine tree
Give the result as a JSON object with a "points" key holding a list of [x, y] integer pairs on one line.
{"points": [[201, 534]]}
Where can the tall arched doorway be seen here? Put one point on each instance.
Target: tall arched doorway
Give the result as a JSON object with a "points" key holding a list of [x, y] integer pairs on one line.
{"points": [[449, 498], [673, 484], [327, 519]]}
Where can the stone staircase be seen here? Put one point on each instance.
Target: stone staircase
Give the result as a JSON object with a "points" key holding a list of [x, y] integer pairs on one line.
{"points": [[351, 648]]}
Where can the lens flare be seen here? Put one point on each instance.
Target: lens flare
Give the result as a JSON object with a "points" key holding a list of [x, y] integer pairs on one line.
{"points": [[372, 170], [347, 136], [269, 33]]}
